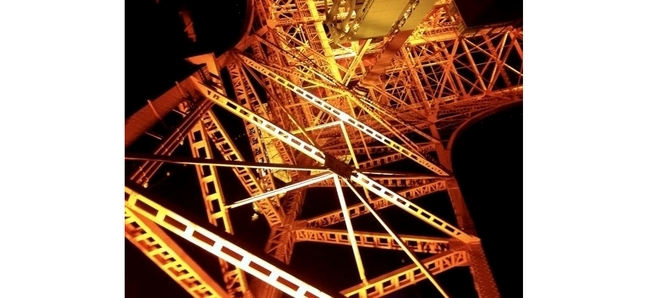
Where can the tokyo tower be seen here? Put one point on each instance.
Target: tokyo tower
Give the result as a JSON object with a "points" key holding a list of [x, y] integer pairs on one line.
{"points": [[326, 131]]}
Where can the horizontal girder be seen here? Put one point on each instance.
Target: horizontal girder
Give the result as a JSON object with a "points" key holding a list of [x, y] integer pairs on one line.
{"points": [[422, 244], [408, 275], [409, 181], [334, 217]]}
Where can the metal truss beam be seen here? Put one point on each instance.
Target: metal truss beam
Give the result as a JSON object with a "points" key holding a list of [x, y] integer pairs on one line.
{"points": [[356, 210], [483, 280], [219, 246], [466, 67], [406, 276], [359, 139], [171, 142], [262, 123], [145, 118], [277, 246], [248, 179], [443, 22], [166, 254], [382, 160], [391, 182], [152, 240], [225, 145], [280, 244], [214, 201], [372, 149], [481, 273], [411, 208], [450, 105], [421, 244]]}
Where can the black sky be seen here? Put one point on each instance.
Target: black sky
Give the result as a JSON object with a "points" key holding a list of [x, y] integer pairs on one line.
{"points": [[487, 162]]}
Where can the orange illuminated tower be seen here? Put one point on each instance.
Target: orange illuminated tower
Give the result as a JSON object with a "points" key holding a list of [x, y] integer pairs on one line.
{"points": [[362, 99]]}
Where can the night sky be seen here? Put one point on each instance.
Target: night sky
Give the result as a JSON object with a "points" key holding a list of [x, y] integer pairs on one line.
{"points": [[487, 161]]}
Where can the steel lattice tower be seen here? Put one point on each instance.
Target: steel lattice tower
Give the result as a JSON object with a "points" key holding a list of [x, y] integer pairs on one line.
{"points": [[327, 100]]}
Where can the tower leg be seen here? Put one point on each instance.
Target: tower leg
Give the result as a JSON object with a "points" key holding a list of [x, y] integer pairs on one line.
{"points": [[483, 279]]}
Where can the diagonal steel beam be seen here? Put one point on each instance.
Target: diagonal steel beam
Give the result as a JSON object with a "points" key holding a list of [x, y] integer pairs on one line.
{"points": [[421, 244], [219, 246], [169, 256], [408, 275], [356, 210], [411, 208]]}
